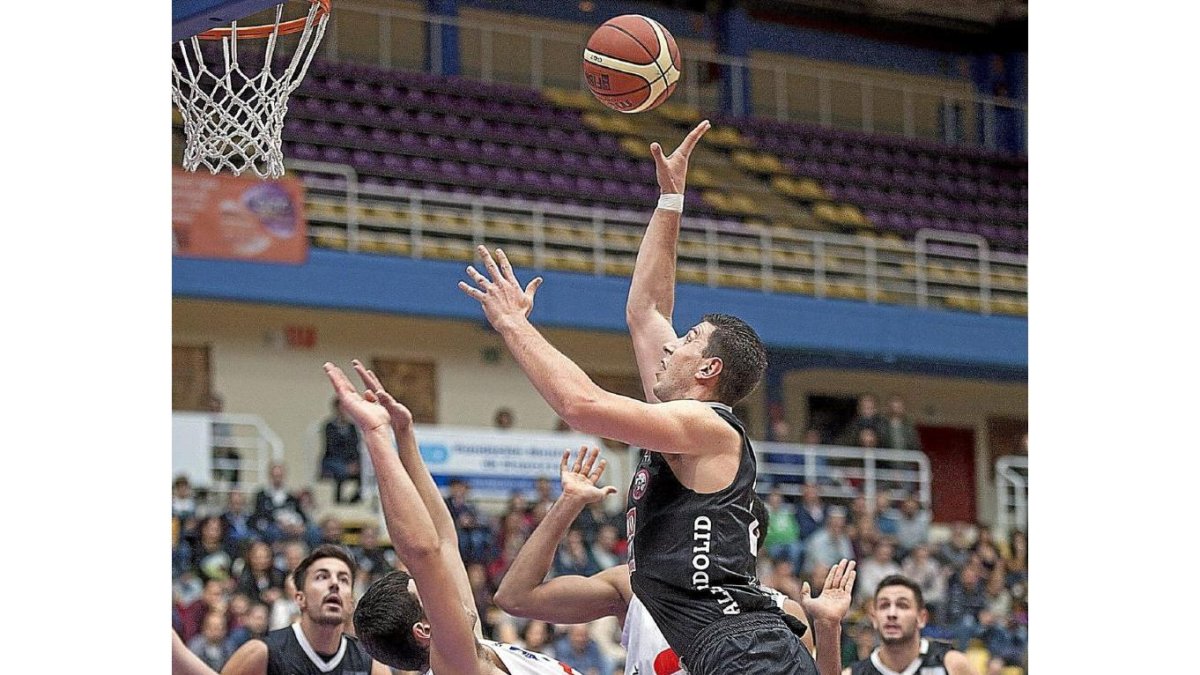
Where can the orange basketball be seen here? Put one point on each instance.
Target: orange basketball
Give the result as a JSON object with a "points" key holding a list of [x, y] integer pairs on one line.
{"points": [[631, 63]]}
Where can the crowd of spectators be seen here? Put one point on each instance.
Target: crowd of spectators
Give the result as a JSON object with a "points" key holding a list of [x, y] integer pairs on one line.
{"points": [[231, 566]]}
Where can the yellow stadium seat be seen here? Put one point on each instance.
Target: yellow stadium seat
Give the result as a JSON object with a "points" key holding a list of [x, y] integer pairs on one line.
{"points": [[825, 212], [1012, 670], [519, 255], [634, 146], [701, 177], [691, 274], [793, 285], [618, 267], [396, 244], [679, 112], [724, 137]]}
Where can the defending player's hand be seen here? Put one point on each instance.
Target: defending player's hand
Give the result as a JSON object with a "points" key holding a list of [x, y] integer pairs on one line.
{"points": [[363, 408], [579, 480], [501, 296], [401, 416], [672, 169], [834, 602]]}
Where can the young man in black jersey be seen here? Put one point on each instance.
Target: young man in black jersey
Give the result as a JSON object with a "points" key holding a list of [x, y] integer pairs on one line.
{"points": [[317, 643], [898, 615], [691, 531]]}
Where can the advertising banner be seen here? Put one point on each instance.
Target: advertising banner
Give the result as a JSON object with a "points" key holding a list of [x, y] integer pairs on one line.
{"points": [[238, 218]]}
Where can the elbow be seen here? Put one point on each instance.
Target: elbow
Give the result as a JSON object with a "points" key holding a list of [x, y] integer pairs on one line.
{"points": [[418, 549], [506, 600], [578, 411]]}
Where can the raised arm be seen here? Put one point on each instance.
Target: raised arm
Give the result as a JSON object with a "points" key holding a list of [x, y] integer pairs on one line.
{"points": [[827, 612], [684, 426], [410, 457], [652, 290], [524, 592], [413, 534], [184, 662]]}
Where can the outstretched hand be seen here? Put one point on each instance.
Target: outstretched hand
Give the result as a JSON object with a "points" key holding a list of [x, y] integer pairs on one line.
{"points": [[401, 416], [364, 408], [832, 605], [579, 480], [672, 169], [501, 296]]}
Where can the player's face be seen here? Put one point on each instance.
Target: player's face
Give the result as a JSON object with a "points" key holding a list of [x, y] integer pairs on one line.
{"points": [[328, 594], [896, 615], [683, 358]]}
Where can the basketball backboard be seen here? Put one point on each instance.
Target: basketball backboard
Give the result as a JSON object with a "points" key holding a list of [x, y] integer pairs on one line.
{"points": [[190, 17]]}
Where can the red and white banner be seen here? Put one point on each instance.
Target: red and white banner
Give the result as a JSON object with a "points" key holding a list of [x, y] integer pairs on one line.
{"points": [[238, 218]]}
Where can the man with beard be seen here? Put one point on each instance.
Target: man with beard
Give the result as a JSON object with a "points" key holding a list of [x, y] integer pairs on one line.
{"points": [[317, 643], [898, 615]]}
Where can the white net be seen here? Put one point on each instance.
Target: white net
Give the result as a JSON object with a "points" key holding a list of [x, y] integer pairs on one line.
{"points": [[233, 115]]}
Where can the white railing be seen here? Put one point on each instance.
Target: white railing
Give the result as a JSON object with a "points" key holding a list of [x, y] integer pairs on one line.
{"points": [[223, 447], [781, 91], [841, 472], [1012, 493], [345, 213]]}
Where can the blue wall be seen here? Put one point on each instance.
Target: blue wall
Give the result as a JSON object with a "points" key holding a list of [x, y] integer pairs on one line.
{"points": [[818, 332]]}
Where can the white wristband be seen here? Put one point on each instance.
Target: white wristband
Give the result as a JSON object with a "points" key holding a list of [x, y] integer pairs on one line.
{"points": [[671, 202]]}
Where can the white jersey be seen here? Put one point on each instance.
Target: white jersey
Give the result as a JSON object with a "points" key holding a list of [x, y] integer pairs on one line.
{"points": [[521, 661], [646, 650]]}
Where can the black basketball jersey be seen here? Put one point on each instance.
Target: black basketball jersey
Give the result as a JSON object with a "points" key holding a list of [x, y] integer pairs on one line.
{"points": [[692, 556], [932, 657], [289, 653]]}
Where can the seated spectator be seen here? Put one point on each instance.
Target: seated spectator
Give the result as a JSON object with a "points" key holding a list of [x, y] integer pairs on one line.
{"points": [[341, 459], [254, 626], [238, 522], [1016, 563], [259, 579], [207, 555], [481, 588], [912, 526], [863, 537], [331, 530], [604, 550], [574, 558], [927, 572], [810, 512], [372, 559], [783, 532], [210, 645], [544, 497], [875, 569], [272, 499], [212, 600], [829, 544], [578, 650], [965, 599], [985, 549], [783, 578], [183, 501], [285, 611], [474, 537], [887, 519], [537, 637], [955, 551]]}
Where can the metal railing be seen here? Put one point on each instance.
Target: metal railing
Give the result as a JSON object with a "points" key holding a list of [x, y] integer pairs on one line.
{"points": [[843, 473], [242, 448], [937, 271], [1012, 493], [823, 95]]}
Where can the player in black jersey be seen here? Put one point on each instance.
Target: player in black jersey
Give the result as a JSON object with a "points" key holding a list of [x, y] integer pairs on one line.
{"points": [[692, 535], [898, 614], [317, 643]]}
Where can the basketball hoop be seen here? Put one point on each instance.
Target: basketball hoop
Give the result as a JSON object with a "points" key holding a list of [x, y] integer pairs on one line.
{"points": [[233, 117]]}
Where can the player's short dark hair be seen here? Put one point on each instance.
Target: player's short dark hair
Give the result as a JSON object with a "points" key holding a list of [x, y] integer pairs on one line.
{"points": [[384, 619], [322, 551], [758, 509], [743, 357], [901, 580]]}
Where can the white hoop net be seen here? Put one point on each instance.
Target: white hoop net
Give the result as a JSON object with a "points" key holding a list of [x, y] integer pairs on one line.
{"points": [[233, 116]]}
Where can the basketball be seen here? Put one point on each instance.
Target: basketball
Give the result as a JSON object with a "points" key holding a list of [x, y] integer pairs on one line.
{"points": [[631, 63]]}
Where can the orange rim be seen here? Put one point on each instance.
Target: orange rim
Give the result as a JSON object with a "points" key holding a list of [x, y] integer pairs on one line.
{"points": [[264, 31]]}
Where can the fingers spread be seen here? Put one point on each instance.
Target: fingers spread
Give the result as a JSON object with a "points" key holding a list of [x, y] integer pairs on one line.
{"points": [[489, 264], [532, 288], [562, 466], [693, 137]]}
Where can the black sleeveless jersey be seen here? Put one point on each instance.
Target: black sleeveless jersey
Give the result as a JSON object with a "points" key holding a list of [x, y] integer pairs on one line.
{"points": [[933, 655], [692, 556], [289, 653]]}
